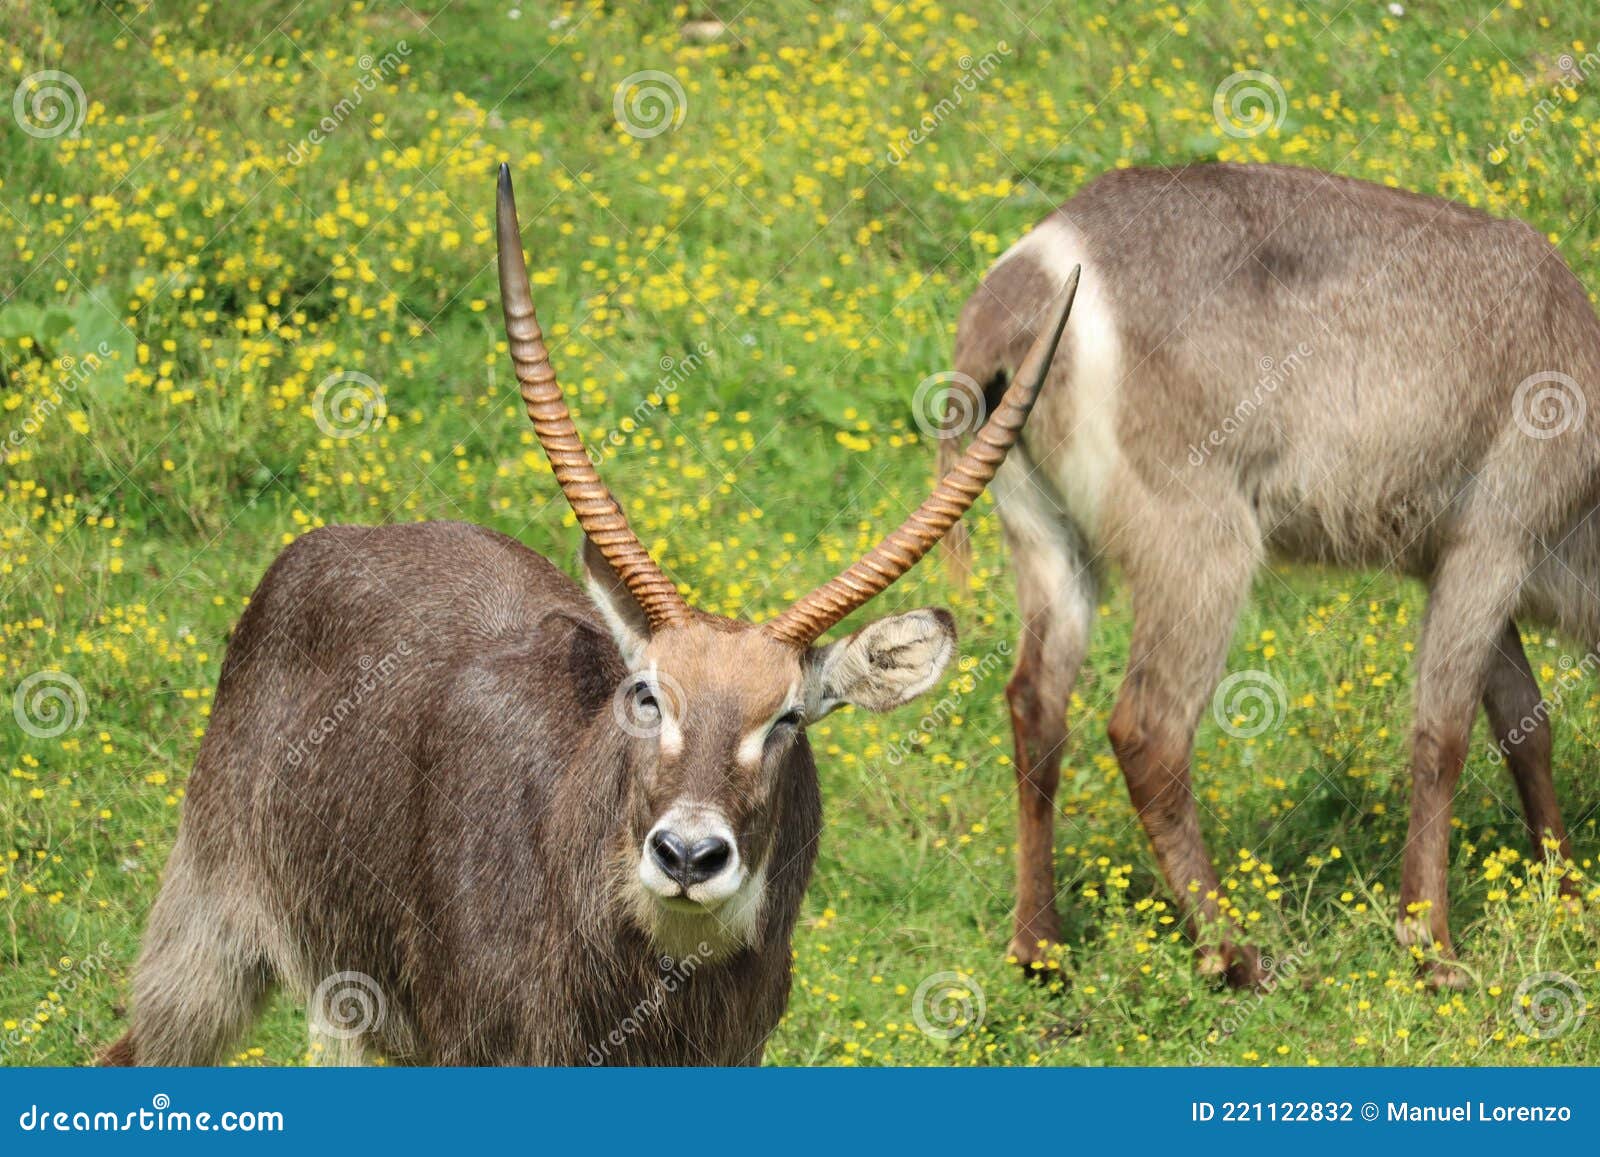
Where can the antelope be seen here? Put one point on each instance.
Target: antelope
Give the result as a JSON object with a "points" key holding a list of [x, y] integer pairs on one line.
{"points": [[1273, 363], [470, 814]]}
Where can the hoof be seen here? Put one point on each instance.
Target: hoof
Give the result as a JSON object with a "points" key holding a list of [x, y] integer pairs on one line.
{"points": [[1444, 976], [1572, 894], [1033, 953], [1235, 965]]}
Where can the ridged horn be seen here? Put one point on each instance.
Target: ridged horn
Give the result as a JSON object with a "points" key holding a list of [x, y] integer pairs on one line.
{"points": [[805, 621], [598, 513]]}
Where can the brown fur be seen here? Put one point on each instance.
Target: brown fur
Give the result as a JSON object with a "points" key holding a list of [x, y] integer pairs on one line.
{"points": [[457, 837], [421, 789], [1392, 442]]}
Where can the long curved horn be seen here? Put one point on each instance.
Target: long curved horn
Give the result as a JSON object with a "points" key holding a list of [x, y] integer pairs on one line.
{"points": [[598, 513], [807, 619]]}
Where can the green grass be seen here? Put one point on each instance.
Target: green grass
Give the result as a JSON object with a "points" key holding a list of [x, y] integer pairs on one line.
{"points": [[801, 285]]}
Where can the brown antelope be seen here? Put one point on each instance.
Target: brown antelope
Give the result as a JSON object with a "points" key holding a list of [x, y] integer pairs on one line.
{"points": [[472, 816], [1270, 362]]}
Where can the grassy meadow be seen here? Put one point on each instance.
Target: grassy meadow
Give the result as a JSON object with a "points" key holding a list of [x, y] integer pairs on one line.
{"points": [[247, 289]]}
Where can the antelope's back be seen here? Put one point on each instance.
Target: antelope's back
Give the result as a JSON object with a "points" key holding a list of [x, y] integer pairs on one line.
{"points": [[1334, 350], [397, 710]]}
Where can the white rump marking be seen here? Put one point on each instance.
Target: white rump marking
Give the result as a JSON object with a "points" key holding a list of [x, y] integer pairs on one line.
{"points": [[1081, 466]]}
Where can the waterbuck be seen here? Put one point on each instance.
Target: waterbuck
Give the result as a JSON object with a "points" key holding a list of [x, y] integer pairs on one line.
{"points": [[1274, 363], [472, 815]]}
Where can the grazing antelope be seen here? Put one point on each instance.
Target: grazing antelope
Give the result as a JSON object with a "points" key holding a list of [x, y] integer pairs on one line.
{"points": [[472, 816], [1271, 362]]}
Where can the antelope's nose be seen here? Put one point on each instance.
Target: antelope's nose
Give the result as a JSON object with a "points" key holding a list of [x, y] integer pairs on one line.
{"points": [[689, 864]]}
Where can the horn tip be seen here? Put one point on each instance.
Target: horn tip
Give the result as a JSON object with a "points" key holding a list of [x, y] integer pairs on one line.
{"points": [[507, 228]]}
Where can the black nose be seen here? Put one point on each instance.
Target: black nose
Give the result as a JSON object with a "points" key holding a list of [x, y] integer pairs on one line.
{"points": [[689, 865]]}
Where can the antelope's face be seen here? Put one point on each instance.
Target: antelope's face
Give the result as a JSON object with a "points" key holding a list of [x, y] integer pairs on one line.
{"points": [[718, 710]]}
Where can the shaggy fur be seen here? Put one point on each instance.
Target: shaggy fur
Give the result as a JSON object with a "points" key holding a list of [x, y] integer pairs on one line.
{"points": [[466, 834], [422, 802]]}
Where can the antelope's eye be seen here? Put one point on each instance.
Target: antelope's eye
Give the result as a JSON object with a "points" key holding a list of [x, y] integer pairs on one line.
{"points": [[789, 721], [644, 701]]}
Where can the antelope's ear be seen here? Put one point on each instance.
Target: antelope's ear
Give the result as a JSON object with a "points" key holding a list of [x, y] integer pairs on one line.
{"points": [[882, 665], [623, 615]]}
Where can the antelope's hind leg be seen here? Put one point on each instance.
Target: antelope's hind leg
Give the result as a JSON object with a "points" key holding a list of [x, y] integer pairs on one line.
{"points": [[1056, 599], [202, 975], [1188, 582], [1519, 720]]}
